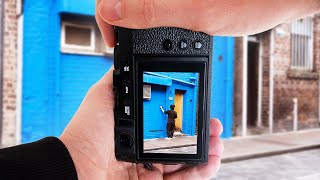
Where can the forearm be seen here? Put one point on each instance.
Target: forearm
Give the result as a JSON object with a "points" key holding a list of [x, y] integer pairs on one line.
{"points": [[44, 159]]}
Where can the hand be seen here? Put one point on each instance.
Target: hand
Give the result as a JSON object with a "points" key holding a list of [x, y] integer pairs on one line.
{"points": [[89, 138], [214, 17]]}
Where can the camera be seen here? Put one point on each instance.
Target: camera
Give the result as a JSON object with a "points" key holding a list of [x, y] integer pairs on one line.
{"points": [[162, 85]]}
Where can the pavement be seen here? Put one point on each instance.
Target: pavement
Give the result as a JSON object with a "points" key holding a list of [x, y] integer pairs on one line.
{"points": [[302, 165], [178, 144], [241, 148]]}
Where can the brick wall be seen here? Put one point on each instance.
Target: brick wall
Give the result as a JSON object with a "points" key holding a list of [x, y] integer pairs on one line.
{"points": [[286, 87], [237, 101], [9, 74]]}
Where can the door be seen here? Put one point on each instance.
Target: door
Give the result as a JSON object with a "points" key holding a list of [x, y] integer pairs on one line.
{"points": [[178, 102], [253, 78], [154, 121]]}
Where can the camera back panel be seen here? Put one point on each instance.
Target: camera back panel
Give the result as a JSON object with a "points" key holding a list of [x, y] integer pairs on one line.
{"points": [[154, 53]]}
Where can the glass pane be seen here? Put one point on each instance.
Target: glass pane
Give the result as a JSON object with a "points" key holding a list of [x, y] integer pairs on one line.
{"points": [[78, 36]]}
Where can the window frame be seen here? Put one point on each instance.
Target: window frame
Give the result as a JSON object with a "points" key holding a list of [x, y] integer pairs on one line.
{"points": [[309, 65], [149, 89], [69, 48]]}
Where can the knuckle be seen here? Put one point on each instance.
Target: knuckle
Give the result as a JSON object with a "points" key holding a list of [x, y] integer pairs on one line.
{"points": [[148, 13]]}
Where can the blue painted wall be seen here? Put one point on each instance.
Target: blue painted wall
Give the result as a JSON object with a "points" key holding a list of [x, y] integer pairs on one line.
{"points": [[222, 83], [53, 83], [163, 87]]}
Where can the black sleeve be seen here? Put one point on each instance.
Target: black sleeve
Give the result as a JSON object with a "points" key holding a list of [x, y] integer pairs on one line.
{"points": [[166, 112], [44, 159]]}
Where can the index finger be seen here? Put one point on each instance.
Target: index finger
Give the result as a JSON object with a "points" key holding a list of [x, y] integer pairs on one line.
{"points": [[216, 127]]}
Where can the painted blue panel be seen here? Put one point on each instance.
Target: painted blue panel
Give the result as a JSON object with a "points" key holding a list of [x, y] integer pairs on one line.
{"points": [[78, 74], [154, 120], [151, 79], [46, 104], [40, 52], [84, 7], [222, 83]]}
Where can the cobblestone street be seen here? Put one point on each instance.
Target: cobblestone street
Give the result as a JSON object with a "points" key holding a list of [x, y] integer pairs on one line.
{"points": [[304, 165]]}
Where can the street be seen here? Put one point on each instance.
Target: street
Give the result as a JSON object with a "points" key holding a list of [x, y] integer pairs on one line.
{"points": [[304, 165]]}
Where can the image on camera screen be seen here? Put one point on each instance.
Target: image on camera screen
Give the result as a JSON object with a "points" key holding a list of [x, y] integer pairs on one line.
{"points": [[170, 112]]}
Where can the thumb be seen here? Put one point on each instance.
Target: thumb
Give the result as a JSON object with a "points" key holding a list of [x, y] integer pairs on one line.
{"points": [[138, 14]]}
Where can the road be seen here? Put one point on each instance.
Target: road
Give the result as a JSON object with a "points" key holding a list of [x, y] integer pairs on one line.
{"points": [[180, 150], [304, 165]]}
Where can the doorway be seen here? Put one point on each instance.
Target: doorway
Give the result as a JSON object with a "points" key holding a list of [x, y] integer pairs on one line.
{"points": [[253, 83], [178, 102]]}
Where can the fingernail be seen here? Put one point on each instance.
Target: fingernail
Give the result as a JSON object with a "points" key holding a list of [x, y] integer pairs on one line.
{"points": [[110, 10]]}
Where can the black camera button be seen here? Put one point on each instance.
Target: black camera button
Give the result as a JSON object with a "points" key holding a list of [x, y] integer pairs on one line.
{"points": [[116, 77], [126, 89], [125, 141], [183, 44], [126, 68], [167, 44], [116, 57], [127, 110], [198, 45]]}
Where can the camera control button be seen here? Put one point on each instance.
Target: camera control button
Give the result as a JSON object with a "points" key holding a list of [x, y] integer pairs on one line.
{"points": [[126, 68], [127, 110], [183, 45], [167, 44], [116, 76], [125, 141], [197, 45], [126, 89]]}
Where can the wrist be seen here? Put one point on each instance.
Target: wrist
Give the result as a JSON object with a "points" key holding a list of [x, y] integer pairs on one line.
{"points": [[79, 152]]}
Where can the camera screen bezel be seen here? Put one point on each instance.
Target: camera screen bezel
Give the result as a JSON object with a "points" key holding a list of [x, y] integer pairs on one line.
{"points": [[172, 64]]}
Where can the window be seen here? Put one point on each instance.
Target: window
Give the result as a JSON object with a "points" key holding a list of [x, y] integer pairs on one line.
{"points": [[79, 38], [302, 44], [147, 92]]}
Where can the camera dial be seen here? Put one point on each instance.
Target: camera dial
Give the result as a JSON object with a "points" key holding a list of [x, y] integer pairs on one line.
{"points": [[167, 44]]}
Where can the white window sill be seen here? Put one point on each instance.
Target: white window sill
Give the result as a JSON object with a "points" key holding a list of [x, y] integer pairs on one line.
{"points": [[83, 52]]}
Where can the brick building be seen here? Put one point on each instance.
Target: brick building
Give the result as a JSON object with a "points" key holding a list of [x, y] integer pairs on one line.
{"points": [[274, 71], [10, 12]]}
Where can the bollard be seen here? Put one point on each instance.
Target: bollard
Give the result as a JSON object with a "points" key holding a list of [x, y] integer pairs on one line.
{"points": [[295, 114]]}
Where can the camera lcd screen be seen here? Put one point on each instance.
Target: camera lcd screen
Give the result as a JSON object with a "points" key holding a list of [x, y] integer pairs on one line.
{"points": [[170, 112]]}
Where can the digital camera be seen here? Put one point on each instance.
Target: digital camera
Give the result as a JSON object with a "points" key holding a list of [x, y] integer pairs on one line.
{"points": [[162, 82]]}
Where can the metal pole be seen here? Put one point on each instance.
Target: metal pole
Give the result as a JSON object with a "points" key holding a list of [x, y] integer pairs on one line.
{"points": [[295, 114]]}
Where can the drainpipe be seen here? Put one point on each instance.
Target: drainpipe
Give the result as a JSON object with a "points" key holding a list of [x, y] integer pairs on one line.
{"points": [[271, 80], [1, 63]]}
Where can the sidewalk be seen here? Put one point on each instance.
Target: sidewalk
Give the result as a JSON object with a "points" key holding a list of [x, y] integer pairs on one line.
{"points": [[240, 148], [176, 142]]}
